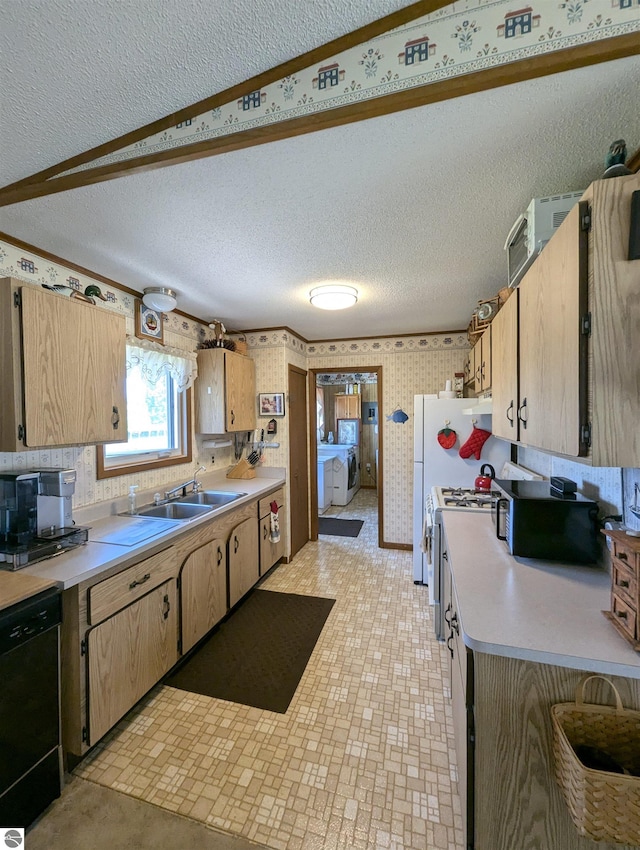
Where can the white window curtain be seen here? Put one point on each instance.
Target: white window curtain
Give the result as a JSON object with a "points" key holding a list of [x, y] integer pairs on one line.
{"points": [[156, 360]]}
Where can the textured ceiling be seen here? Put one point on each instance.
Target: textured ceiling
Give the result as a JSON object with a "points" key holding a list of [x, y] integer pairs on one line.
{"points": [[412, 208]]}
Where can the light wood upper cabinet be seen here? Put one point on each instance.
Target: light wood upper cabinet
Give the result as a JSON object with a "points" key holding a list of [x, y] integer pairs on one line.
{"points": [[203, 592], [243, 560], [225, 392], [552, 300], [63, 368], [348, 406], [504, 393], [579, 337]]}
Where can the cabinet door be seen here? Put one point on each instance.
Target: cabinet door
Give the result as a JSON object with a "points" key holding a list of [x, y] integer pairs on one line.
{"points": [[270, 552], [243, 560], [504, 358], [240, 392], [128, 654], [552, 301], [209, 405], [74, 371], [203, 592]]}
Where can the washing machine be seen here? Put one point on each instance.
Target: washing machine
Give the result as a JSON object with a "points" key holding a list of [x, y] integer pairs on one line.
{"points": [[346, 474]]}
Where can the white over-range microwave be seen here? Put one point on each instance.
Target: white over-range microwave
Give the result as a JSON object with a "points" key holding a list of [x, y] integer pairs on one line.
{"points": [[533, 229]]}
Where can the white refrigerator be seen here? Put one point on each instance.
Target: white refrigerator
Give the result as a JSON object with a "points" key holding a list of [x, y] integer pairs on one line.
{"points": [[434, 465]]}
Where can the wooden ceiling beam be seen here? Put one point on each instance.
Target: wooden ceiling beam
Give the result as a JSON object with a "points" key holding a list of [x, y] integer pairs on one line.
{"points": [[502, 75], [299, 63]]}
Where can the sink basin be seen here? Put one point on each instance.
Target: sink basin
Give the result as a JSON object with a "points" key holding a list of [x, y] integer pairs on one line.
{"points": [[212, 498], [175, 510]]}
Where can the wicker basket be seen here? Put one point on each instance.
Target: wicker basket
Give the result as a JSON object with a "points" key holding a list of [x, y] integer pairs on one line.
{"points": [[604, 806]]}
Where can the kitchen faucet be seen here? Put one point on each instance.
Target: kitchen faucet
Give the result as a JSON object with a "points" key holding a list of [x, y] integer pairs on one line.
{"points": [[196, 485]]}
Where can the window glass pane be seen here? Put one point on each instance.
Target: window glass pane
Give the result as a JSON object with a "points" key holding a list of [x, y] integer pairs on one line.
{"points": [[152, 416]]}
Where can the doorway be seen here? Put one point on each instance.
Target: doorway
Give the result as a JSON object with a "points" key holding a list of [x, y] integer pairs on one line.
{"points": [[345, 412]]}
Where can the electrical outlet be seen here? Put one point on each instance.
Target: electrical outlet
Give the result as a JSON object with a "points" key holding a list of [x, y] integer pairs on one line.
{"points": [[213, 460]]}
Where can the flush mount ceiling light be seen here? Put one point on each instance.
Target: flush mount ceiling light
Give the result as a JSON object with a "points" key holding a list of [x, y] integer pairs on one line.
{"points": [[333, 296], [160, 298]]}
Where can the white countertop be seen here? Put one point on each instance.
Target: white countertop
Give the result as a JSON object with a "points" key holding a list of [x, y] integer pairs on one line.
{"points": [[95, 557], [532, 609]]}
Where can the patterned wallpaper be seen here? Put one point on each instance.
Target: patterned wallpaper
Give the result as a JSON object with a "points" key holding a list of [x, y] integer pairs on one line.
{"points": [[465, 37], [410, 365]]}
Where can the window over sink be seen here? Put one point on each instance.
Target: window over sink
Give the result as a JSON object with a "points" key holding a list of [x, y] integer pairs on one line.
{"points": [[158, 413]]}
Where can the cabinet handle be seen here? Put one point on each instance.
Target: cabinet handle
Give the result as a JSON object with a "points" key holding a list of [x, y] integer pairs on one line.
{"points": [[454, 623], [236, 544], [521, 411], [447, 619], [482, 370], [233, 417], [510, 418], [264, 533], [478, 373], [450, 644], [115, 417], [138, 581], [167, 607], [219, 556]]}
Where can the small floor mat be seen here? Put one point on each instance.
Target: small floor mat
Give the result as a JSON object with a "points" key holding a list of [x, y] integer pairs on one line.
{"points": [[257, 656], [339, 527]]}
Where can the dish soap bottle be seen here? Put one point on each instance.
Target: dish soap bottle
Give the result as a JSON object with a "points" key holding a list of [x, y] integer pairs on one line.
{"points": [[132, 499]]}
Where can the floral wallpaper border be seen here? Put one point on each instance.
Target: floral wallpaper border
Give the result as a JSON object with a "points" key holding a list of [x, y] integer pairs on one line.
{"points": [[420, 342], [33, 268], [462, 38]]}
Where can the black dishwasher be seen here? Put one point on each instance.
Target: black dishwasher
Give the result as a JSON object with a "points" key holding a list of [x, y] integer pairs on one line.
{"points": [[30, 754]]}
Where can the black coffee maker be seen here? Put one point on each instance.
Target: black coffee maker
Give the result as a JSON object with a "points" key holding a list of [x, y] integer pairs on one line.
{"points": [[36, 519], [18, 508]]}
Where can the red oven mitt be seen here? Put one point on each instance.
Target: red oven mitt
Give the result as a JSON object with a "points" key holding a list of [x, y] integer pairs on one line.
{"points": [[475, 442], [447, 438]]}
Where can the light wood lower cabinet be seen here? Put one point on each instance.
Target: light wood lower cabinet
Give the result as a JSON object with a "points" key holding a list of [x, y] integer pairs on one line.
{"points": [[121, 631], [270, 553], [243, 560], [203, 592], [127, 654]]}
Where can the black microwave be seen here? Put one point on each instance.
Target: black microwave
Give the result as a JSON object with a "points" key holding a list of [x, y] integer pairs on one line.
{"points": [[536, 523]]}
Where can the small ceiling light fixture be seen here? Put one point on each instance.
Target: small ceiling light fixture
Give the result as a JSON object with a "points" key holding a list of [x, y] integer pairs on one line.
{"points": [[160, 298], [333, 296]]}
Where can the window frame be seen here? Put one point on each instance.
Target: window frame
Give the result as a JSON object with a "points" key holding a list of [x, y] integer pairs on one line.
{"points": [[127, 467]]}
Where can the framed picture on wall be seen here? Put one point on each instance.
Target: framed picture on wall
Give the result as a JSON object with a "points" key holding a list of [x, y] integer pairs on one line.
{"points": [[271, 404], [349, 431], [148, 323]]}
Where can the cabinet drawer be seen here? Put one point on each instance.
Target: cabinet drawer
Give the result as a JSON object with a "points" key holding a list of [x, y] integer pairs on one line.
{"points": [[114, 593], [625, 553], [264, 505], [625, 615], [624, 581]]}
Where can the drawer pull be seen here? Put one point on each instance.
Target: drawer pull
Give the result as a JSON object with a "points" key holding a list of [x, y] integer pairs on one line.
{"points": [[138, 581], [219, 556], [236, 544], [167, 607], [450, 644]]}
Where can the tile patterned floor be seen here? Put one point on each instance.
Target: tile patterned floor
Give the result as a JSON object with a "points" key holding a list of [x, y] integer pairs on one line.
{"points": [[363, 758]]}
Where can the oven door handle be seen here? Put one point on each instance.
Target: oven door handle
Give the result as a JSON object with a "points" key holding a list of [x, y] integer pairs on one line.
{"points": [[499, 503]]}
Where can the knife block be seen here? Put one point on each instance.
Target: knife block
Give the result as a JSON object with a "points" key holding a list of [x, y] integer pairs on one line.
{"points": [[242, 469]]}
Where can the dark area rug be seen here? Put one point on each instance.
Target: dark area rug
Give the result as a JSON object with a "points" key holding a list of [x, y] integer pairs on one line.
{"points": [[257, 656], [339, 527]]}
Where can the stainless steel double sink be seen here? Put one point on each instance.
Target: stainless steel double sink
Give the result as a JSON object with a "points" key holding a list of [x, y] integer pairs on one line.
{"points": [[191, 506]]}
